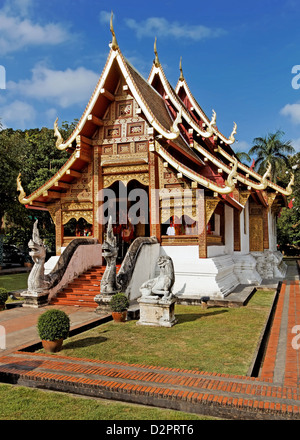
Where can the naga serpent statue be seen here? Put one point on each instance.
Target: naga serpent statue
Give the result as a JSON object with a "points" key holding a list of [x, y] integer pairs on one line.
{"points": [[37, 283], [112, 281], [109, 284]]}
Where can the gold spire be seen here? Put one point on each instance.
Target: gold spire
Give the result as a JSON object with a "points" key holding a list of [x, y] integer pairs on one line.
{"points": [[181, 78], [114, 43], [156, 61]]}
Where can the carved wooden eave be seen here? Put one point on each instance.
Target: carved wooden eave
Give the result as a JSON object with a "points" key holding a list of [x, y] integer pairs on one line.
{"points": [[90, 115], [287, 191], [262, 183], [178, 104], [211, 127], [239, 177], [196, 177], [59, 183]]}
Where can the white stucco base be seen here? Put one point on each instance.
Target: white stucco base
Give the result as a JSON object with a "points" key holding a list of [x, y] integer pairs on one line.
{"points": [[270, 264], [245, 269], [213, 277]]}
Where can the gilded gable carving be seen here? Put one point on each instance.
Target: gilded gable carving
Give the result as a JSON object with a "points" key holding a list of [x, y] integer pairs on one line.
{"points": [[82, 189]]}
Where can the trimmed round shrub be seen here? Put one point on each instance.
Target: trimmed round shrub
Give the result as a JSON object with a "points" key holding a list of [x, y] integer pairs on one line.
{"points": [[119, 302], [3, 295], [53, 324]]}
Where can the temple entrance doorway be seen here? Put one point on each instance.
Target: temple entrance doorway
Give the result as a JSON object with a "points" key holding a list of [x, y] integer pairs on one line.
{"points": [[256, 228], [128, 205]]}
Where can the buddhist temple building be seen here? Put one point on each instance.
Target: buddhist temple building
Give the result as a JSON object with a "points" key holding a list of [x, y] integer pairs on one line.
{"points": [[213, 215]]}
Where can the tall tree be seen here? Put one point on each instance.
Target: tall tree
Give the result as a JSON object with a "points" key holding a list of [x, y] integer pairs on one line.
{"points": [[273, 149], [288, 225], [243, 156], [33, 153]]}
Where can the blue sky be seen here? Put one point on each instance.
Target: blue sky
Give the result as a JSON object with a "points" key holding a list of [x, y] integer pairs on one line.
{"points": [[237, 58]]}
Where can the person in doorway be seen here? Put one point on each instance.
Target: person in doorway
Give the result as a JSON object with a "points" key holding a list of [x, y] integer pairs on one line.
{"points": [[127, 237], [171, 229]]}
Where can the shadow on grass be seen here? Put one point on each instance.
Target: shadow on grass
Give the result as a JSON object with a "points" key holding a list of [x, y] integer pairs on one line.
{"points": [[188, 317], [85, 342]]}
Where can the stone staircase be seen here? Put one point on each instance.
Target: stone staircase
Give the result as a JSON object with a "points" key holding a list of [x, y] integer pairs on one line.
{"points": [[82, 290]]}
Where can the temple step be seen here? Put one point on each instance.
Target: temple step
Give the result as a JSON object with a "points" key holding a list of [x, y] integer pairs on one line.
{"points": [[81, 291]]}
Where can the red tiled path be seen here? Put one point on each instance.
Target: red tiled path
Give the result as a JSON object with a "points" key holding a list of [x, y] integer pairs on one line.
{"points": [[274, 394]]}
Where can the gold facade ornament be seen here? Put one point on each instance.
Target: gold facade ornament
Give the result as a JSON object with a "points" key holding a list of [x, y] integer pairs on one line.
{"points": [[73, 206], [53, 210], [114, 44], [22, 195], [108, 180], [210, 206], [178, 120], [211, 125], [59, 139], [234, 131], [288, 190], [156, 60], [243, 197], [271, 198], [213, 119], [267, 174], [68, 215], [230, 182]]}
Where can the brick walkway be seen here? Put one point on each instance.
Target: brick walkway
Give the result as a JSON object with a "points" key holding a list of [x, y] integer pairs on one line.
{"points": [[274, 394]]}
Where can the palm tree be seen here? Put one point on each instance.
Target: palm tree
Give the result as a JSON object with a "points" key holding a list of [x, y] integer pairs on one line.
{"points": [[271, 149], [242, 156]]}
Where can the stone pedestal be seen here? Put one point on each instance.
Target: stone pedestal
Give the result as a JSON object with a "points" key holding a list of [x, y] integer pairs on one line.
{"points": [[35, 300], [103, 301], [157, 312]]}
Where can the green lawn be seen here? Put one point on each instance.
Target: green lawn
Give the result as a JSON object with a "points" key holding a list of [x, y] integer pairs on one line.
{"points": [[20, 403], [216, 339], [14, 281]]}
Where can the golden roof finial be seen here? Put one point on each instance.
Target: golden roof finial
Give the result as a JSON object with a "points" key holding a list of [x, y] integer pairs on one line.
{"points": [[59, 140], [22, 194], [181, 78], [114, 43], [156, 61]]}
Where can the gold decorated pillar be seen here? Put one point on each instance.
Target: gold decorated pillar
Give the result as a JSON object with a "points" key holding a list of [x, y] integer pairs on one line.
{"points": [[202, 238], [98, 186], [155, 229], [59, 231]]}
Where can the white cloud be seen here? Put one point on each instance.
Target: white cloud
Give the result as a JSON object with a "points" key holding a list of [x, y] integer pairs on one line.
{"points": [[158, 26], [292, 111], [23, 7], [64, 88], [241, 146], [18, 32], [296, 144], [17, 112], [105, 17]]}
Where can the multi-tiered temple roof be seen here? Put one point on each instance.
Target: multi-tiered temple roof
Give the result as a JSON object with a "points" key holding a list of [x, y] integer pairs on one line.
{"points": [[187, 140]]}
